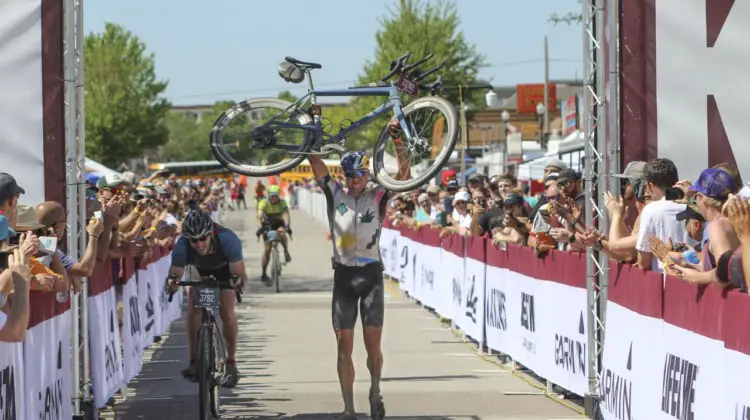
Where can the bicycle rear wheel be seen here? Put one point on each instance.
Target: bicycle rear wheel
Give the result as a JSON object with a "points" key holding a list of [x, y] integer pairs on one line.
{"points": [[262, 137], [275, 267], [204, 372], [432, 120]]}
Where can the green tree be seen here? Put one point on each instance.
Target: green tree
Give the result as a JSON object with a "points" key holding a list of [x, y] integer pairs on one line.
{"points": [[422, 28], [188, 137], [125, 110]]}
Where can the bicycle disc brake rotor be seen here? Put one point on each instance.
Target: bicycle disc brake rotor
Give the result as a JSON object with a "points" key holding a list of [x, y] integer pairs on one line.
{"points": [[420, 146]]}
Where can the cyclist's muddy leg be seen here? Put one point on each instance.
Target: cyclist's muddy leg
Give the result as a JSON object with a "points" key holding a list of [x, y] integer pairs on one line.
{"points": [[285, 245], [229, 321]]}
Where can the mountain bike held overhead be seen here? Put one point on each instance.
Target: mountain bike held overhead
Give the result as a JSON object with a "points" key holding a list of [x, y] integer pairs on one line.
{"points": [[267, 136]]}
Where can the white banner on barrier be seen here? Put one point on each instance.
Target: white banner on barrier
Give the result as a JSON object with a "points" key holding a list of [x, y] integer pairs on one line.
{"points": [[394, 254], [404, 261], [470, 317], [632, 367], [568, 354], [148, 305], [157, 297], [692, 368], [412, 267], [426, 286], [12, 390], [497, 328], [528, 311], [132, 330], [47, 379], [736, 399], [104, 342]]}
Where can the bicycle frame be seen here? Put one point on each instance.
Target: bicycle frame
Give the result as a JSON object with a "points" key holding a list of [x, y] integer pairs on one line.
{"points": [[392, 103]]}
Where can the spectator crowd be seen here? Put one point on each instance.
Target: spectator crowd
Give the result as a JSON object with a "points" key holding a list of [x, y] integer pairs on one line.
{"points": [[698, 231], [125, 217]]}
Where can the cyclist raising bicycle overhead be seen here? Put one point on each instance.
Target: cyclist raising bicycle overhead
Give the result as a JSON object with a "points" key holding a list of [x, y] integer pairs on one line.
{"points": [[355, 217], [212, 250], [273, 213]]}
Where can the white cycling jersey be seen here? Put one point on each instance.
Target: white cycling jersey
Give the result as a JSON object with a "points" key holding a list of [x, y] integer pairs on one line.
{"points": [[355, 223]]}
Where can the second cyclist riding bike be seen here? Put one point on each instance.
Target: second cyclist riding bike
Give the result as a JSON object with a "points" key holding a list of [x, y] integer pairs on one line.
{"points": [[282, 122]]}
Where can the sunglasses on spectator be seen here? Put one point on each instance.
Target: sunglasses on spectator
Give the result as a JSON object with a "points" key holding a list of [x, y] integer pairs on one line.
{"points": [[201, 239], [563, 184]]}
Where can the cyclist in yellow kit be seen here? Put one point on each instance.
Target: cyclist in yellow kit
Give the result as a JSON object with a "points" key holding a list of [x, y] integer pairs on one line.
{"points": [[273, 213]]}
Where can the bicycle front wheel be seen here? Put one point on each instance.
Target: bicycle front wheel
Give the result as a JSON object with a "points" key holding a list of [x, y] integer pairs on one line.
{"points": [[262, 137], [205, 359], [275, 267], [434, 129]]}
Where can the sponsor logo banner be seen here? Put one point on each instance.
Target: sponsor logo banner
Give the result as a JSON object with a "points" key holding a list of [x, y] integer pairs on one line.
{"points": [[132, 330], [471, 310], [47, 369], [429, 257], [498, 329], [12, 391], [104, 342], [567, 318]]}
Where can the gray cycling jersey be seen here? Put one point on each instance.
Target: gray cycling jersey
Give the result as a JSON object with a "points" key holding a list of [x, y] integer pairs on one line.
{"points": [[355, 223]]}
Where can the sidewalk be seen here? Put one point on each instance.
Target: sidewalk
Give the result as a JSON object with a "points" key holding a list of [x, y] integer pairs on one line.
{"points": [[288, 362]]}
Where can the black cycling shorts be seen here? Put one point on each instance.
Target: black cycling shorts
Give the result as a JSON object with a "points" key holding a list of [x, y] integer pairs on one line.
{"points": [[353, 286]]}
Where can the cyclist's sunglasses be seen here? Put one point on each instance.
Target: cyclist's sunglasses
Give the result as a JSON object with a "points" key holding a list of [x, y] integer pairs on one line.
{"points": [[356, 173], [201, 239]]}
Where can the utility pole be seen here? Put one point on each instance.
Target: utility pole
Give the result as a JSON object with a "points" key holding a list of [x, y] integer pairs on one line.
{"points": [[547, 105], [463, 91]]}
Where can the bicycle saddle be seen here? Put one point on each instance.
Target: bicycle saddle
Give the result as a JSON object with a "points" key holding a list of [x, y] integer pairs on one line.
{"points": [[303, 63]]}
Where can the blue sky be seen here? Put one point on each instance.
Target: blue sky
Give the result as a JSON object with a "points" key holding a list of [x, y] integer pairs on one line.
{"points": [[229, 49]]}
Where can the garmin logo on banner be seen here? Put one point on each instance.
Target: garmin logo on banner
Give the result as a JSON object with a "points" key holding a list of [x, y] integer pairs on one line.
{"points": [[471, 302], [111, 365], [8, 393], [527, 311], [149, 309], [457, 291], [570, 354], [51, 400], [617, 391], [741, 412], [678, 387], [494, 305]]}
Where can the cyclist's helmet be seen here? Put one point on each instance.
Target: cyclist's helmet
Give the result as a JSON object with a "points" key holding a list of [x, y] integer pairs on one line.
{"points": [[197, 224], [274, 190], [355, 163]]}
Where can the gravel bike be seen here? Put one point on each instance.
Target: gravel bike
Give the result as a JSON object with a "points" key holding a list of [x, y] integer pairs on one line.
{"points": [[274, 237], [211, 346], [429, 126]]}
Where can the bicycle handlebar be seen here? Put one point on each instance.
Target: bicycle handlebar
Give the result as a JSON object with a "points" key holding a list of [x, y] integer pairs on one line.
{"points": [[400, 65], [208, 281]]}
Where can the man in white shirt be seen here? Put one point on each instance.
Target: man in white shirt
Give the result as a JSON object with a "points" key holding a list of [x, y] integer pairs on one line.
{"points": [[659, 216]]}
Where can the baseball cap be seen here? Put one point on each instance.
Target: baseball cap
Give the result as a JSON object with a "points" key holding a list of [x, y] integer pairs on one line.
{"points": [[633, 170], [452, 184], [433, 189], [128, 178], [552, 177], [494, 179], [26, 218], [555, 163], [714, 183], [513, 200], [461, 196], [9, 187], [567, 175], [423, 197], [690, 212], [475, 177], [109, 181]]}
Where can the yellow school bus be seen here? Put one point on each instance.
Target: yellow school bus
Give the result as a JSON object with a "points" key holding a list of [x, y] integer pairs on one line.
{"points": [[303, 171], [195, 169]]}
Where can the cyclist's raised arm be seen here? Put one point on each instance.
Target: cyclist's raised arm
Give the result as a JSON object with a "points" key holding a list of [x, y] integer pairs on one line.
{"points": [[319, 168], [232, 247], [402, 158]]}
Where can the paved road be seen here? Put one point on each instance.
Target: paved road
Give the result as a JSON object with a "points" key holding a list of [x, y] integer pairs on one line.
{"points": [[287, 360]]}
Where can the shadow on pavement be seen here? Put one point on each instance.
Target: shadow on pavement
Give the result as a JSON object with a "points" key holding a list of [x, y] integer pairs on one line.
{"points": [[327, 416]]}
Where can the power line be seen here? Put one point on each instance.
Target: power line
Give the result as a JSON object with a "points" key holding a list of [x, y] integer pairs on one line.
{"points": [[348, 82]]}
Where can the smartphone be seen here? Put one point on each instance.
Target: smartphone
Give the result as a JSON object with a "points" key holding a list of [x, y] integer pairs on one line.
{"points": [[4, 260], [99, 215], [48, 244]]}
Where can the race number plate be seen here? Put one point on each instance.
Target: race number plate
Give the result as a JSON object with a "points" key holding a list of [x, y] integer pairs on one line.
{"points": [[208, 297], [407, 86]]}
